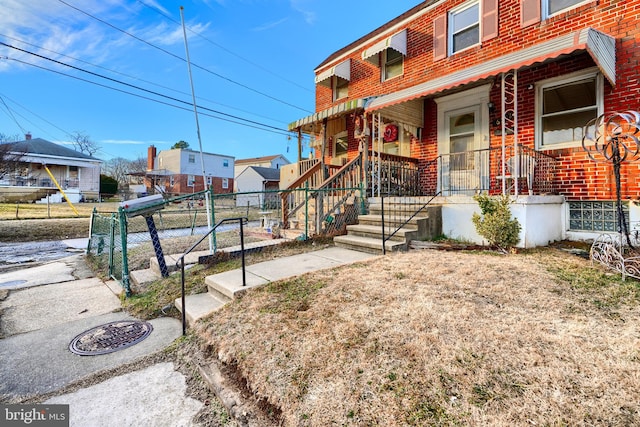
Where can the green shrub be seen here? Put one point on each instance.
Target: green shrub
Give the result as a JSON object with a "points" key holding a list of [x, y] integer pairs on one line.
{"points": [[495, 223]]}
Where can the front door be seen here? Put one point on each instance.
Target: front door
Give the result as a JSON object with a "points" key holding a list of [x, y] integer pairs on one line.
{"points": [[462, 143]]}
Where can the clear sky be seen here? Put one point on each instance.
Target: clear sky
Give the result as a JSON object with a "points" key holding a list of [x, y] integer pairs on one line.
{"points": [[251, 59]]}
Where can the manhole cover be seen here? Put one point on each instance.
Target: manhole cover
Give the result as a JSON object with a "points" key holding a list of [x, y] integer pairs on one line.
{"points": [[110, 337]]}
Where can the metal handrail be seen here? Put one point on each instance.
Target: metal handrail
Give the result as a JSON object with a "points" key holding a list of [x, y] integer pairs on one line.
{"points": [[180, 262], [386, 238]]}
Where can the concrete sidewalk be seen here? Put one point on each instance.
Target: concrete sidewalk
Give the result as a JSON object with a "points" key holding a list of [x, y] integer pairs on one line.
{"points": [[42, 309], [223, 287]]}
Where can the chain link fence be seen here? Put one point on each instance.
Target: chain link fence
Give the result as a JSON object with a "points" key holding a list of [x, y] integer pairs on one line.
{"points": [[122, 243]]}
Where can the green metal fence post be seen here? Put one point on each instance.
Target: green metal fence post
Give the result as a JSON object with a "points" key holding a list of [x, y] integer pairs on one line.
{"points": [[214, 240], [112, 234], [125, 265]]}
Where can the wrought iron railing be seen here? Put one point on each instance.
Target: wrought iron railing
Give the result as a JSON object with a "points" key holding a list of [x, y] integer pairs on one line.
{"points": [[392, 175], [403, 212], [517, 171]]}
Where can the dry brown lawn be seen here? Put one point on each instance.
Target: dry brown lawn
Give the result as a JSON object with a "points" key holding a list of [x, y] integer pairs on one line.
{"points": [[440, 338]]}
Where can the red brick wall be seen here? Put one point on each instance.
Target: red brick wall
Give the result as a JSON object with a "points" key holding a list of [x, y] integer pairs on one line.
{"points": [[579, 177], [180, 185]]}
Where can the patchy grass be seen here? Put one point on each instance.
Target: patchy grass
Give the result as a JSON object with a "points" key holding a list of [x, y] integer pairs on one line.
{"points": [[149, 302], [440, 338]]}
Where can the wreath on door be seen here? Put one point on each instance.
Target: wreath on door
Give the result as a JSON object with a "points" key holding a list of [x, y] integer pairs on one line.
{"points": [[390, 133]]}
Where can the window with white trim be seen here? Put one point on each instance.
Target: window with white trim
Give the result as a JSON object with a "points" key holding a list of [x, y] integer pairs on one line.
{"points": [[208, 181], [225, 163], [191, 181], [552, 7], [464, 27], [564, 106], [171, 181], [393, 64], [192, 158], [225, 183], [340, 88]]}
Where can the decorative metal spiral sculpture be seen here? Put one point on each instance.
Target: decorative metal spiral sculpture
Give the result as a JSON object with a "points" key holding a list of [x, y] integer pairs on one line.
{"points": [[614, 138]]}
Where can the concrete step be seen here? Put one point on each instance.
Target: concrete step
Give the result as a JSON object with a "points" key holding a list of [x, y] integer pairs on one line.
{"points": [[368, 244], [200, 305], [404, 234], [374, 219]]}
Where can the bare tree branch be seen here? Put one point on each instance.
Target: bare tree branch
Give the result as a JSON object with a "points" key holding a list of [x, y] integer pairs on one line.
{"points": [[83, 143]]}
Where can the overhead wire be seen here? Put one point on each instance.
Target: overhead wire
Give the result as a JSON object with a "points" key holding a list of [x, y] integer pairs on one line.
{"points": [[10, 114], [134, 86], [230, 52], [256, 125], [137, 78], [183, 59]]}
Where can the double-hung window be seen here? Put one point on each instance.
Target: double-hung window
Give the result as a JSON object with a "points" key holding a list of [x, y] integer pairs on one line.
{"points": [[464, 27], [565, 106], [340, 88], [551, 7], [192, 158], [393, 63]]}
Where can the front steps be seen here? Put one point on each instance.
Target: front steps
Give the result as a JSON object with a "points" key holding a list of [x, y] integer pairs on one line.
{"points": [[366, 236]]}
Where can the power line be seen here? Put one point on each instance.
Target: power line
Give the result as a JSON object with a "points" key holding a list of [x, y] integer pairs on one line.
{"points": [[230, 52], [138, 79], [134, 86], [257, 125], [184, 60], [10, 114]]}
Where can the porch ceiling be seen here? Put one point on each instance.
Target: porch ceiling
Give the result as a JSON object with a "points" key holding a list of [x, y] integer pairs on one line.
{"points": [[599, 45]]}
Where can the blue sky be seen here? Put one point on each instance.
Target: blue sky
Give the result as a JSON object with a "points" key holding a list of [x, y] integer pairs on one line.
{"points": [[253, 59]]}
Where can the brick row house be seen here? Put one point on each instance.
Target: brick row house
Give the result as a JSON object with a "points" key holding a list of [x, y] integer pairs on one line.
{"points": [[457, 97]]}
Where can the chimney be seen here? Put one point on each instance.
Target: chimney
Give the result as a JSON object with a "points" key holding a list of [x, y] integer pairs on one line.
{"points": [[27, 136], [151, 157]]}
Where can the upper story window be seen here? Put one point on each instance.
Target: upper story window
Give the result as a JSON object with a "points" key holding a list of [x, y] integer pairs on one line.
{"points": [[532, 11], [393, 64], [340, 88], [564, 106], [551, 7], [388, 54], [464, 27], [192, 158], [225, 163]]}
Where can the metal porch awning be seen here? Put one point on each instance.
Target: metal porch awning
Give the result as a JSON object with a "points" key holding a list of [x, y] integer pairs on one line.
{"points": [[306, 123], [601, 47], [342, 70], [398, 42]]}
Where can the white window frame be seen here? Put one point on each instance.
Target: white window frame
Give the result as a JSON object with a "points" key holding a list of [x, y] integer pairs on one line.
{"points": [[191, 181], [589, 73], [225, 183], [225, 163], [450, 18], [545, 8], [209, 180], [192, 158], [171, 181], [339, 92], [386, 64]]}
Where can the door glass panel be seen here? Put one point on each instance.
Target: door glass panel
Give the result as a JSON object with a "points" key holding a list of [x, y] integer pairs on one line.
{"points": [[461, 141]]}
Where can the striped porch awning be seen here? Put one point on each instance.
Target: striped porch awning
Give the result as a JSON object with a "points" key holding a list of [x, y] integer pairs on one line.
{"points": [[601, 47], [306, 123], [398, 42], [342, 70]]}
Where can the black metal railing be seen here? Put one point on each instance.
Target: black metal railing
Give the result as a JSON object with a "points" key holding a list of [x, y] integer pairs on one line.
{"points": [[392, 175], [180, 262], [403, 212]]}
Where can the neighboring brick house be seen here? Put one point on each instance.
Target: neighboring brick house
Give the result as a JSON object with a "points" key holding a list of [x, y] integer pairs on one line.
{"points": [[466, 96], [78, 174], [179, 171]]}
